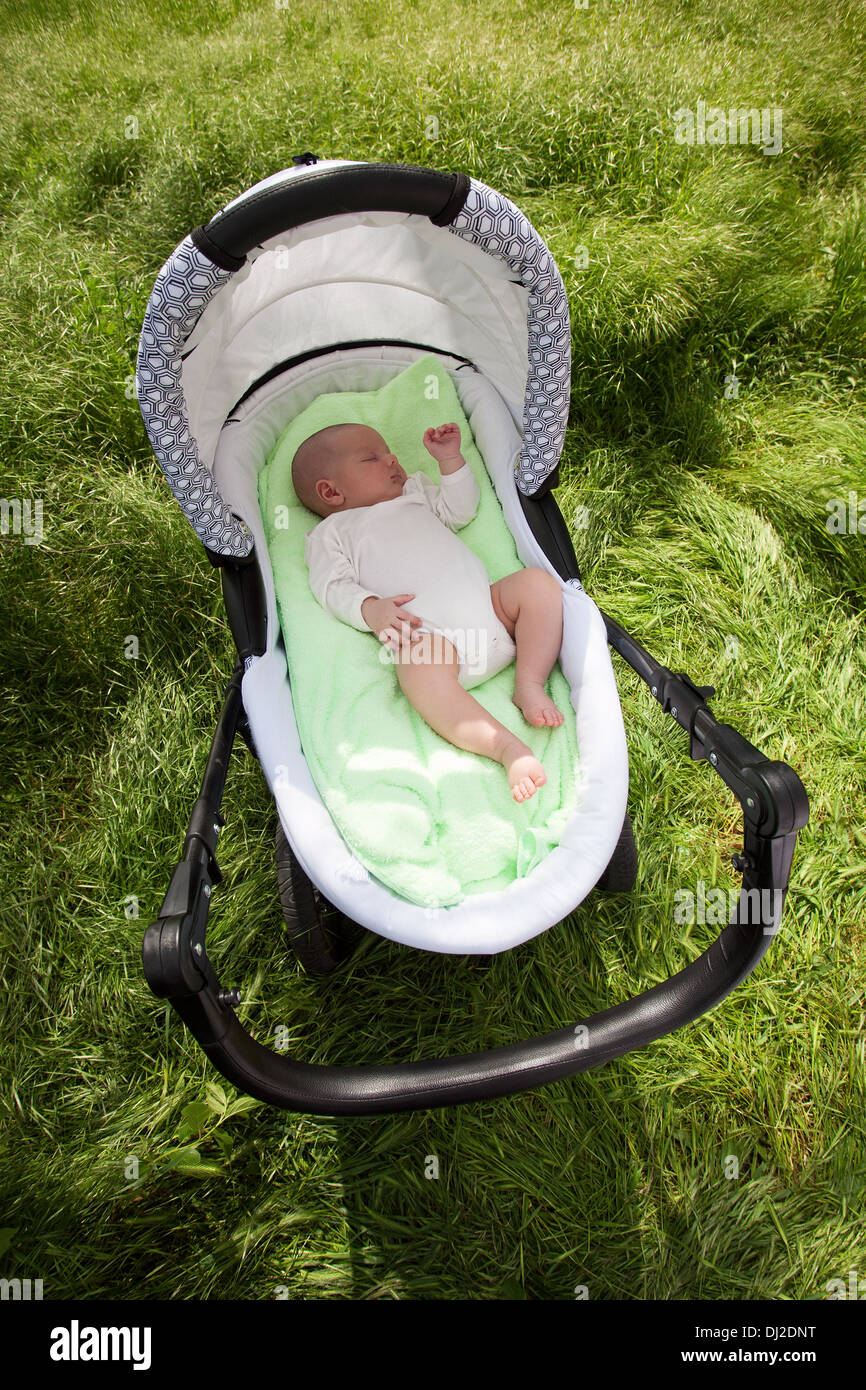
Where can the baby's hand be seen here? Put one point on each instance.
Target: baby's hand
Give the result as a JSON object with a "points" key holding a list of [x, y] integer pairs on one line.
{"points": [[385, 617], [443, 442]]}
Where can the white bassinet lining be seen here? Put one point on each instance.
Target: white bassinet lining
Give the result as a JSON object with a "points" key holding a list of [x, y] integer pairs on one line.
{"points": [[483, 922], [375, 275]]}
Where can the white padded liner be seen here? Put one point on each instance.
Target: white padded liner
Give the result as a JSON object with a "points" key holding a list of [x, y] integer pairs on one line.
{"points": [[383, 276], [483, 922]]}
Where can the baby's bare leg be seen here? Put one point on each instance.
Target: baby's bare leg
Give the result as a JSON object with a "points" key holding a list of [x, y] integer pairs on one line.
{"points": [[427, 671], [529, 604]]}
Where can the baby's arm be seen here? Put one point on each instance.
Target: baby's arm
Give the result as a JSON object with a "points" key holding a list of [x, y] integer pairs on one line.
{"points": [[333, 579], [455, 501]]}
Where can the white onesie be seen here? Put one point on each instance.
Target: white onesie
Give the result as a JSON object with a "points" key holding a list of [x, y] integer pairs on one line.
{"points": [[402, 547]]}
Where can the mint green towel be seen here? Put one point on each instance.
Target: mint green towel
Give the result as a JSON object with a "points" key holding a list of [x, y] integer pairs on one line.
{"points": [[430, 821]]}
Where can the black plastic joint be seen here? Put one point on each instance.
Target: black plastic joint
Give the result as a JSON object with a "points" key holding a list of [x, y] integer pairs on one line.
{"points": [[783, 796], [183, 889], [246, 606], [220, 561], [682, 699], [773, 798], [205, 825], [173, 947]]}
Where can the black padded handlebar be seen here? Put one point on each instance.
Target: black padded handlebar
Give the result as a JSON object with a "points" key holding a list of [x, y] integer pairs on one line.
{"points": [[177, 967], [305, 197], [325, 1090]]}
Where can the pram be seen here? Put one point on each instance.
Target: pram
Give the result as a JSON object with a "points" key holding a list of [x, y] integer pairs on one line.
{"points": [[334, 275]]}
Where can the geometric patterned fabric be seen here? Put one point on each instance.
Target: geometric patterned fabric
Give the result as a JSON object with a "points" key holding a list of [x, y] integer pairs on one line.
{"points": [[491, 221], [185, 286]]}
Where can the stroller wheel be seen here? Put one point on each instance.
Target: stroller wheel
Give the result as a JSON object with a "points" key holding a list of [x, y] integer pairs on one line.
{"points": [[621, 872], [318, 931]]}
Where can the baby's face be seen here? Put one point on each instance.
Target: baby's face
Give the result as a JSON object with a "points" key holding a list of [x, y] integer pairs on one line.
{"points": [[367, 471]]}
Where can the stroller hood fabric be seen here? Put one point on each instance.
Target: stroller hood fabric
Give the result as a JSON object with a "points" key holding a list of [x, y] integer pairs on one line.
{"points": [[485, 288]]}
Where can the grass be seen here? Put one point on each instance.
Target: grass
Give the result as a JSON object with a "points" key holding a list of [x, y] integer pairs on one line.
{"points": [[698, 506]]}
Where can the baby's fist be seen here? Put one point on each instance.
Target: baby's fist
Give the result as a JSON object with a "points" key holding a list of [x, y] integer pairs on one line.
{"points": [[443, 442]]}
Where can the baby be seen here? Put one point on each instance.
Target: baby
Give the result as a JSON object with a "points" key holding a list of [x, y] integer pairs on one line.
{"points": [[382, 530]]}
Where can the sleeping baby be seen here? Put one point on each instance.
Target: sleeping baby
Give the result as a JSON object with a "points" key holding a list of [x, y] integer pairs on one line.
{"points": [[383, 530]]}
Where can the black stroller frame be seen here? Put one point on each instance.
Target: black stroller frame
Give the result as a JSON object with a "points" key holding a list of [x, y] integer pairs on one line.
{"points": [[772, 798]]}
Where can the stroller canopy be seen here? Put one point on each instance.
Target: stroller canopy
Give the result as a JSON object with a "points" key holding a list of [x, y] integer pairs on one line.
{"points": [[461, 270]]}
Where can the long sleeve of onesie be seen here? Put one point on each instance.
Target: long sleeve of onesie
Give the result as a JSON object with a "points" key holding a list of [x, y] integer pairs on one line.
{"points": [[454, 501], [333, 579]]}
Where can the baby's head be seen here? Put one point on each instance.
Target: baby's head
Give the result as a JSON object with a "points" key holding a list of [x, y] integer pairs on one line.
{"points": [[345, 466]]}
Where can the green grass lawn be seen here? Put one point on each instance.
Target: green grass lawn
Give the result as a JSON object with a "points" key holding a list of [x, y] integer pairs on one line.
{"points": [[698, 505]]}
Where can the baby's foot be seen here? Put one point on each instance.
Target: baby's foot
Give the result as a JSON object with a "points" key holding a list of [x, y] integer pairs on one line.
{"points": [[536, 705], [524, 771]]}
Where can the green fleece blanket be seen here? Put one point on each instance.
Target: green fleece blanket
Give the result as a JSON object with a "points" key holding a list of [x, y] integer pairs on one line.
{"points": [[429, 820]]}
